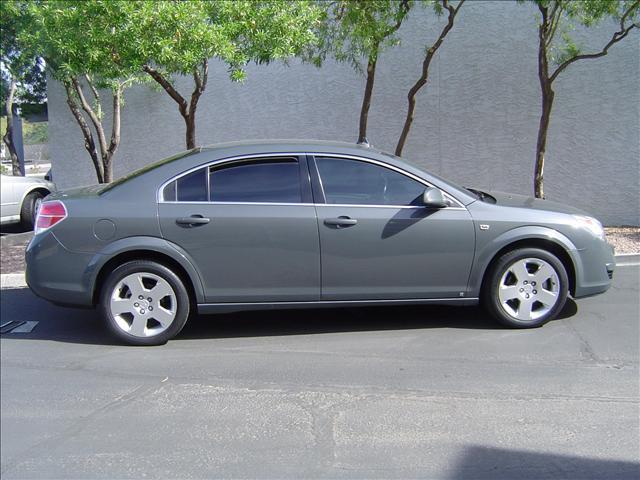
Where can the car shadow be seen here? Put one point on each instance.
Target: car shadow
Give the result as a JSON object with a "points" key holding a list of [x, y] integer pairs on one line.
{"points": [[85, 325], [482, 462]]}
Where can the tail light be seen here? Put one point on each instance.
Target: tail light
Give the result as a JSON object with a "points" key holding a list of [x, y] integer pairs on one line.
{"points": [[49, 214]]}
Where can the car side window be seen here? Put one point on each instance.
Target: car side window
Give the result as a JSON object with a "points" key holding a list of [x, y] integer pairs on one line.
{"points": [[265, 180], [188, 188], [354, 182]]}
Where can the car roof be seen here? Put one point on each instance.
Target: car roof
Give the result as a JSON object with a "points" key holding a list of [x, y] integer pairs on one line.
{"points": [[193, 158]]}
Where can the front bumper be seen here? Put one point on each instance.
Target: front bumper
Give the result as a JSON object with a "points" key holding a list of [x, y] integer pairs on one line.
{"points": [[595, 272], [56, 274]]}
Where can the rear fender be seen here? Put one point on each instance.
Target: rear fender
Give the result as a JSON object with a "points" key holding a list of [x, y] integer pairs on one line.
{"points": [[148, 244]]}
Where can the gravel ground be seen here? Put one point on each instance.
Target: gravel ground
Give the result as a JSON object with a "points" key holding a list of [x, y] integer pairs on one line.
{"points": [[624, 240]]}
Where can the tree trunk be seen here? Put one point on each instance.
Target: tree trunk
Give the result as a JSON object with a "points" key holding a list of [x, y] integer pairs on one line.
{"points": [[187, 110], [89, 143], [544, 30], [424, 76], [190, 132], [107, 156], [541, 146], [411, 98], [366, 100], [8, 135]]}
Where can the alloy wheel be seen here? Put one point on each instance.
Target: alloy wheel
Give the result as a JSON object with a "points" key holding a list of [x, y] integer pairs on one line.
{"points": [[143, 304], [529, 289]]}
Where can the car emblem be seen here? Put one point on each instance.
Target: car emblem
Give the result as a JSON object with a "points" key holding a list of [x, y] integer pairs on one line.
{"points": [[484, 226]]}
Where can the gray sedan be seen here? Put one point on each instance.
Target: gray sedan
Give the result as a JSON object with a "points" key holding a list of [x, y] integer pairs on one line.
{"points": [[305, 224]]}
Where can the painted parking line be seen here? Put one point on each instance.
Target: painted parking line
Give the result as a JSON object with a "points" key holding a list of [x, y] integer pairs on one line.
{"points": [[25, 327], [7, 327]]}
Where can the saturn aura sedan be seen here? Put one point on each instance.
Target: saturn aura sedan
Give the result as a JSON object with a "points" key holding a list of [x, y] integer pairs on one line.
{"points": [[305, 224]]}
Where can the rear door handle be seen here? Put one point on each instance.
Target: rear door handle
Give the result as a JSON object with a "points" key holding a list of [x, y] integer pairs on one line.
{"points": [[192, 221], [340, 222]]}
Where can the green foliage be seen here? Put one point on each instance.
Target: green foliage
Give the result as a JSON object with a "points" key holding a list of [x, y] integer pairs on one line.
{"points": [[176, 36], [18, 60], [566, 15], [356, 29], [79, 38]]}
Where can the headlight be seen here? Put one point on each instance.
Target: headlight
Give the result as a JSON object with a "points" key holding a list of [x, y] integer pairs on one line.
{"points": [[591, 224]]}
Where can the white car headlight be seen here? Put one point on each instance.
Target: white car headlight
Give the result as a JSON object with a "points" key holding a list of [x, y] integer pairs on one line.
{"points": [[591, 224]]}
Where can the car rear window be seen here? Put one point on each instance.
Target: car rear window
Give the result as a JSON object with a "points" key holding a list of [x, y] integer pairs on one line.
{"points": [[272, 180]]}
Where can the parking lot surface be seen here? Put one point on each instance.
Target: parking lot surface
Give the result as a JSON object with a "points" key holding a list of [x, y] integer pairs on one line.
{"points": [[428, 392]]}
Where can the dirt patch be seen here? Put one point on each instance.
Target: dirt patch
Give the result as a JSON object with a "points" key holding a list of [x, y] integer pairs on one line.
{"points": [[12, 259], [624, 239]]}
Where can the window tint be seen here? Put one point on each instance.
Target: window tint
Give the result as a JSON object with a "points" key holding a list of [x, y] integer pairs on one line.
{"points": [[273, 180], [361, 183], [190, 188]]}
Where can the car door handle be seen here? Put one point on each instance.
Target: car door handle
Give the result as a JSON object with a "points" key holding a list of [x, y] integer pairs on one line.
{"points": [[192, 221], [340, 222]]}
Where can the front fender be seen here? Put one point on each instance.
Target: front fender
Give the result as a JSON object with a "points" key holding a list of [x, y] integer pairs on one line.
{"points": [[149, 244], [486, 253]]}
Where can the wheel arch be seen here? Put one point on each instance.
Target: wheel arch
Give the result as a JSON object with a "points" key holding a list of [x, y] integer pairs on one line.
{"points": [[144, 248], [546, 239], [36, 188]]}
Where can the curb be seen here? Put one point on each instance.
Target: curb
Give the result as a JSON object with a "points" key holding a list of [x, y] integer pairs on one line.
{"points": [[627, 259], [12, 280], [14, 239]]}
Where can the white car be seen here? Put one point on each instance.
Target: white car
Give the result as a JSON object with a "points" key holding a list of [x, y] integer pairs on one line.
{"points": [[21, 198]]}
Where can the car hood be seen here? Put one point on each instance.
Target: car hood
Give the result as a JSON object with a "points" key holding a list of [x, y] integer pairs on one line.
{"points": [[523, 201]]}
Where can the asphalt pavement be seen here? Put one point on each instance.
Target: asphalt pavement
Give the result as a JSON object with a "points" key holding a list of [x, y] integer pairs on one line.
{"points": [[429, 392]]}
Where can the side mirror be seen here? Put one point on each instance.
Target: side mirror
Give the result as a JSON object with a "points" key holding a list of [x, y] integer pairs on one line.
{"points": [[433, 197]]}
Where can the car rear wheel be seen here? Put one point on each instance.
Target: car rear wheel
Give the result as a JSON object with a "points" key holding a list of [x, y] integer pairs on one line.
{"points": [[30, 206], [144, 303], [526, 288]]}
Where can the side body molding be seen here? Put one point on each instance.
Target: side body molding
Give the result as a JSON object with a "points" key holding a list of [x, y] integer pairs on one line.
{"points": [[152, 244], [486, 252]]}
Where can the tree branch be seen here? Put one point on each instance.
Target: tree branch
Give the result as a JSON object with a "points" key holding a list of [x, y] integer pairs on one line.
{"points": [[615, 38], [173, 93], [97, 123], [555, 21], [96, 95], [201, 84], [115, 122]]}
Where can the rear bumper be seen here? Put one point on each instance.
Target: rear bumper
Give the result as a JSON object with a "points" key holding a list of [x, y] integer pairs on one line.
{"points": [[597, 268], [56, 274]]}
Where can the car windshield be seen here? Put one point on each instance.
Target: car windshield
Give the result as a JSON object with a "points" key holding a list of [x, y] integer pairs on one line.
{"points": [[148, 168]]}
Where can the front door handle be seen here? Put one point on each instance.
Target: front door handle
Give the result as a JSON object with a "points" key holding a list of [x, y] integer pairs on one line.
{"points": [[192, 221], [340, 222]]}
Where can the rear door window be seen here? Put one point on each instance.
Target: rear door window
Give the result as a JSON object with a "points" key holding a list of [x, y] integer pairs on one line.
{"points": [[267, 181]]}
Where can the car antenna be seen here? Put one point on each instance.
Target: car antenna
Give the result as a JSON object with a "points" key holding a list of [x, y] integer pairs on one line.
{"points": [[364, 142]]}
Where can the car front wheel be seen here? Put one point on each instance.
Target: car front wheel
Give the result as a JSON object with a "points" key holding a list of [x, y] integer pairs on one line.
{"points": [[144, 303], [526, 288]]}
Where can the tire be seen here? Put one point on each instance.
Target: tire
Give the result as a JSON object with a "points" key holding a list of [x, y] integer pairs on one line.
{"points": [[525, 288], [134, 312], [30, 206]]}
